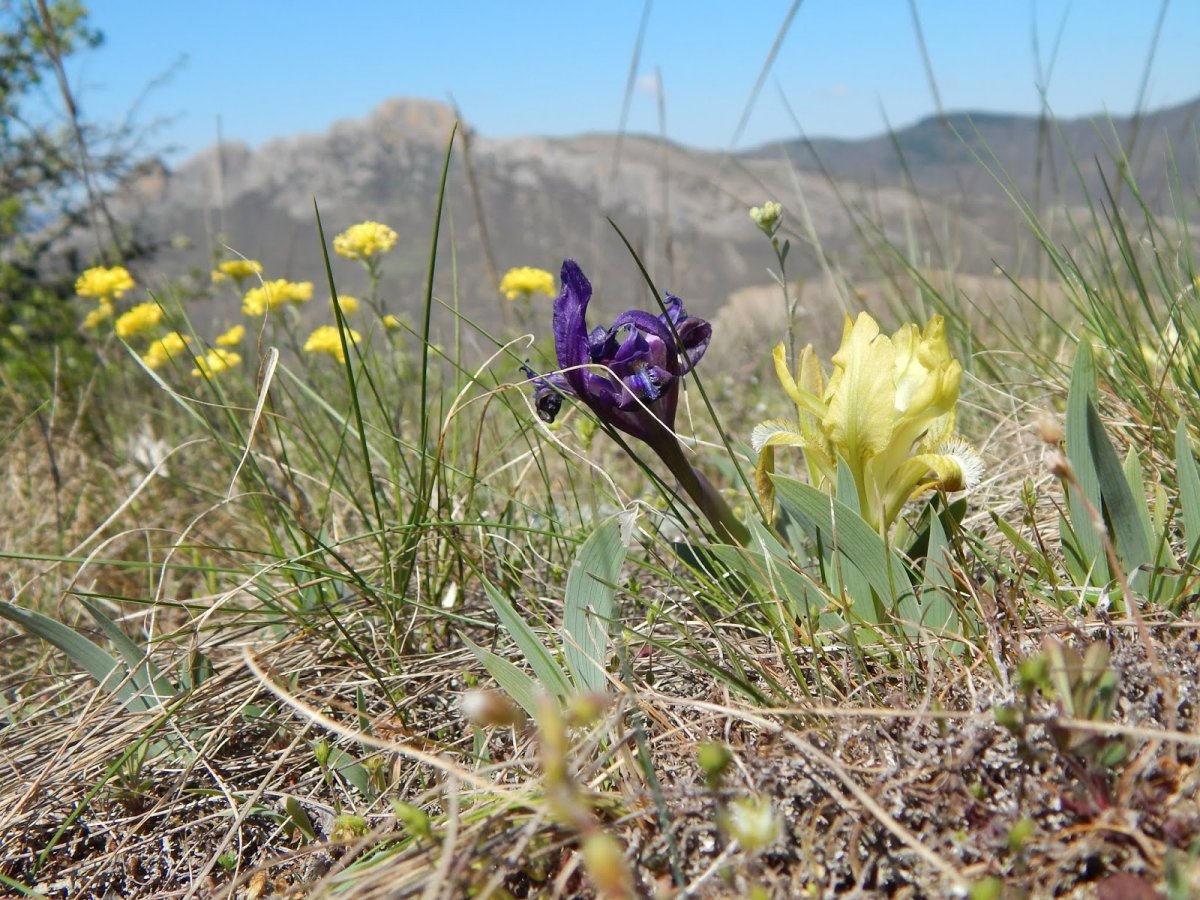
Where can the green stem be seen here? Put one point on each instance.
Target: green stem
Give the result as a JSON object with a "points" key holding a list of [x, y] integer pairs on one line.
{"points": [[789, 308]]}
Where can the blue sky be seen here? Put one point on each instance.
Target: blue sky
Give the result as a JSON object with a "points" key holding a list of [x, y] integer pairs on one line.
{"points": [[270, 68]]}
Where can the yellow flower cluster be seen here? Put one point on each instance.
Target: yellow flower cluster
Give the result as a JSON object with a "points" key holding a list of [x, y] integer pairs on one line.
{"points": [[327, 340], [237, 269], [364, 241], [390, 322], [166, 348], [101, 313], [215, 361], [232, 337], [348, 304], [138, 320], [524, 281], [273, 294], [105, 284]]}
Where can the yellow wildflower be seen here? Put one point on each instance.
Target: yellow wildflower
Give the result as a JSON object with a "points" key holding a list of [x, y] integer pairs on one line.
{"points": [[138, 320], [237, 269], [104, 283], [215, 361], [524, 281], [364, 241], [390, 322], [327, 340], [232, 337], [887, 413], [273, 294], [101, 313], [348, 304], [166, 348], [300, 291]]}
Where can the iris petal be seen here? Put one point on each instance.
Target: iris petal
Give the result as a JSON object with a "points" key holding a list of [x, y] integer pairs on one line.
{"points": [[627, 374]]}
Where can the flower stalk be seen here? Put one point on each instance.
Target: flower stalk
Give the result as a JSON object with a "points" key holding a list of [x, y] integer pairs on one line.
{"points": [[702, 492]]}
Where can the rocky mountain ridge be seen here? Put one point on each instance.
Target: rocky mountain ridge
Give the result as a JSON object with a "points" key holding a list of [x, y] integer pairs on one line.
{"points": [[685, 211]]}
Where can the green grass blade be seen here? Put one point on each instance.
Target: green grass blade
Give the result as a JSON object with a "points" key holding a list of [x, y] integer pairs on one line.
{"points": [[589, 609], [348, 352], [428, 314]]}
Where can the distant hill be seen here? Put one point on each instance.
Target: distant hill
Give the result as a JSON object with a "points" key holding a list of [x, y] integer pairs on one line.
{"points": [[945, 155], [684, 210]]}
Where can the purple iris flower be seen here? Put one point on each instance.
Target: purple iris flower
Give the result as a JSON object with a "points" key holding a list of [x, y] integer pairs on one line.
{"points": [[628, 375]]}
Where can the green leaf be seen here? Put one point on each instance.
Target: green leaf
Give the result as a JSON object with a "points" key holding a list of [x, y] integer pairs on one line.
{"points": [[88, 656], [1132, 469], [856, 585], [146, 674], [1189, 489], [855, 538], [589, 609], [353, 771], [299, 818], [512, 681], [1133, 546], [1079, 452], [935, 612], [553, 680]]}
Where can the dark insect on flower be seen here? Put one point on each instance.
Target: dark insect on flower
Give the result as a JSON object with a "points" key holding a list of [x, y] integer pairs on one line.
{"points": [[627, 374], [547, 397]]}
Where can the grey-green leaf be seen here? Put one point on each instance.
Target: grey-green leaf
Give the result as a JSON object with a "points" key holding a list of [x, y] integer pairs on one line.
{"points": [[146, 674], [553, 679], [589, 608], [1082, 391], [854, 538], [1132, 544], [512, 681], [1189, 489], [88, 656], [936, 611]]}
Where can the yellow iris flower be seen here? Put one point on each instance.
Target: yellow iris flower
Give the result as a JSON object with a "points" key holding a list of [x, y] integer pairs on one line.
{"points": [[887, 412]]}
